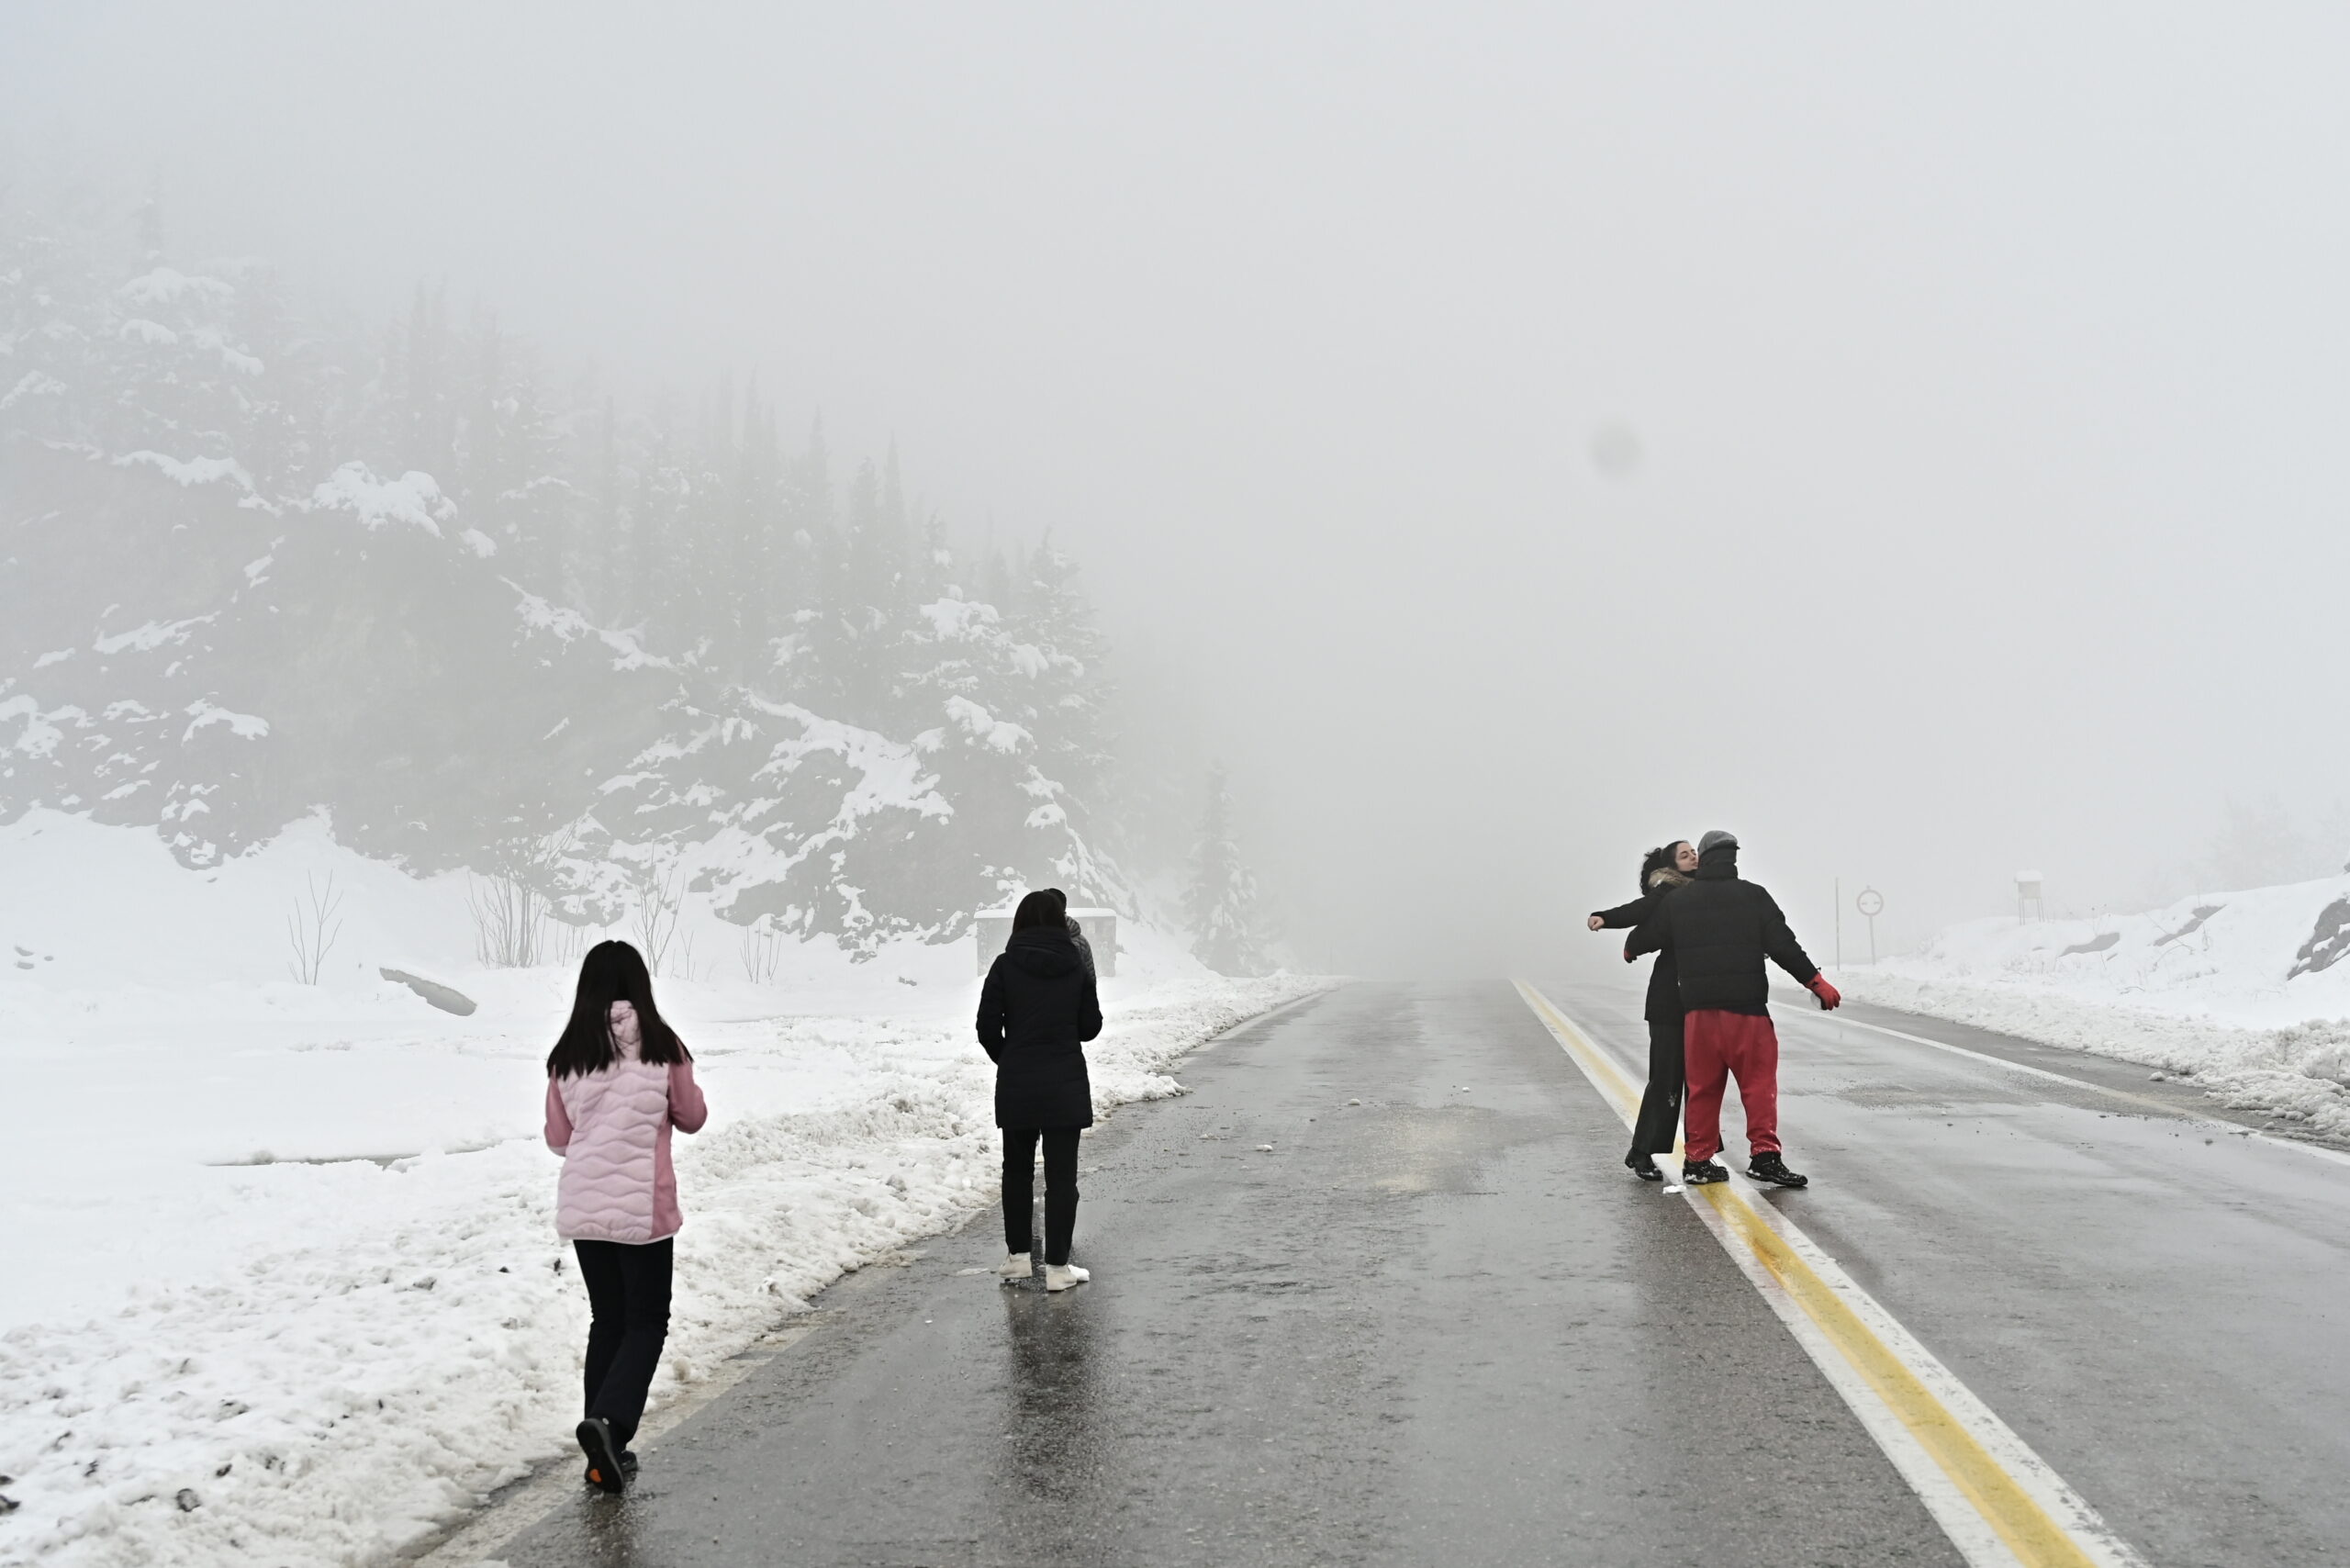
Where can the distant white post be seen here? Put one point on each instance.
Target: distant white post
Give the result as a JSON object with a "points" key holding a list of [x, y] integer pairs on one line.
{"points": [[2028, 897]]}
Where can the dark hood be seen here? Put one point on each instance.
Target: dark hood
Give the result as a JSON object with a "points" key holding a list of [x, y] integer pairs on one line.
{"points": [[1042, 952], [1718, 864]]}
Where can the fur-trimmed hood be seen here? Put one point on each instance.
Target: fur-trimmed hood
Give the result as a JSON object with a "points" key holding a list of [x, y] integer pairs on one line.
{"points": [[1667, 877]]}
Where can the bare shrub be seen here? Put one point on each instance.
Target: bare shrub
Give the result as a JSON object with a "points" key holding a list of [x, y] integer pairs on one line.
{"points": [[660, 897], [311, 927], [565, 943], [509, 920], [512, 912], [762, 953]]}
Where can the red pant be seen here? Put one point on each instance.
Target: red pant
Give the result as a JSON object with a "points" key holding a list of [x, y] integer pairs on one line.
{"points": [[1716, 1044]]}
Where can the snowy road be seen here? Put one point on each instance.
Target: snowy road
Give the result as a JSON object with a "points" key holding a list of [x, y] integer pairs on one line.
{"points": [[1444, 1325]]}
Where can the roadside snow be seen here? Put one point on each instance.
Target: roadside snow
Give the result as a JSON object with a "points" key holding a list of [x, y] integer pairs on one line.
{"points": [[283, 1284], [2237, 992]]}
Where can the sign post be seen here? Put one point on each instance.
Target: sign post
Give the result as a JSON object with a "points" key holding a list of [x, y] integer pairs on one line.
{"points": [[1872, 904], [2028, 896]]}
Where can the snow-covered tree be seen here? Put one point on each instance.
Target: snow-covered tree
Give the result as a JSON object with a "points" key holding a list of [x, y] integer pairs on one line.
{"points": [[1222, 906], [1067, 693], [2259, 846], [415, 574]]}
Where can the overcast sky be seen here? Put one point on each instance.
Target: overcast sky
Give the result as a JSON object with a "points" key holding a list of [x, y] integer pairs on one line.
{"points": [[1972, 385]]}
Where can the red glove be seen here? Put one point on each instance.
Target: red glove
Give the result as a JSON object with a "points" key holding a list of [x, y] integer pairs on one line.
{"points": [[1629, 956], [1828, 994]]}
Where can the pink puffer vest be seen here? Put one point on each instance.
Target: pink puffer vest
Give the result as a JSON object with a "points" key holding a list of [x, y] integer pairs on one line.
{"points": [[613, 1129]]}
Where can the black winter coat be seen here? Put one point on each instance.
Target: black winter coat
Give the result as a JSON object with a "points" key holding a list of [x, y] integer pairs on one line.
{"points": [[1717, 931], [1664, 987], [1037, 1010]]}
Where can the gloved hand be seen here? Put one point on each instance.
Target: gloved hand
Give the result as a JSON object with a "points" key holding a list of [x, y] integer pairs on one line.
{"points": [[1629, 956], [1828, 994]]}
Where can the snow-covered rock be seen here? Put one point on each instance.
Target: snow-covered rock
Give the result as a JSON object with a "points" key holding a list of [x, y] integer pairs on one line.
{"points": [[2241, 992]]}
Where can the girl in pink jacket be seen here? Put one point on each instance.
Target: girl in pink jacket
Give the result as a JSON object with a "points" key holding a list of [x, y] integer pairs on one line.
{"points": [[617, 1081]]}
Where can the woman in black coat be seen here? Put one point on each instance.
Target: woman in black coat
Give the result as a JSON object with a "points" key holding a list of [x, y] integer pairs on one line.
{"points": [[1037, 1011], [1662, 871]]}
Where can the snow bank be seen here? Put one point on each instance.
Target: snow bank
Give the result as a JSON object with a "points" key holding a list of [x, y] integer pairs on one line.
{"points": [[283, 1284], [2240, 993]]}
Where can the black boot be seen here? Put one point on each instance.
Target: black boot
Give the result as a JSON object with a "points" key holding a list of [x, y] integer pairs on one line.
{"points": [[604, 1467], [1698, 1172], [1770, 1168], [1643, 1166], [628, 1468]]}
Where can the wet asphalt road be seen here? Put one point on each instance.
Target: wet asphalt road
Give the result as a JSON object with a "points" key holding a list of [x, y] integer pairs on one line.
{"points": [[1444, 1325], [2160, 1308]]}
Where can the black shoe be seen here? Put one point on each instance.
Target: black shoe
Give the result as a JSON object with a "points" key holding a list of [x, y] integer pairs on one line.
{"points": [[605, 1467], [1643, 1166], [1770, 1168], [1698, 1172], [628, 1468]]}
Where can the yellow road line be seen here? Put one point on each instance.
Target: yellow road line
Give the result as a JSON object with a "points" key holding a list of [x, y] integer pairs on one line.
{"points": [[1997, 1500]]}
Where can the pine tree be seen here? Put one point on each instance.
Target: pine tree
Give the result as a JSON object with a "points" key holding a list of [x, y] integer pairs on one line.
{"points": [[603, 574], [1222, 905], [749, 587], [870, 612], [1067, 694]]}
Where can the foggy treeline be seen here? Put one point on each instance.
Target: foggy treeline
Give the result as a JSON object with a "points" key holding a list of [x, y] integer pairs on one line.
{"points": [[491, 612]]}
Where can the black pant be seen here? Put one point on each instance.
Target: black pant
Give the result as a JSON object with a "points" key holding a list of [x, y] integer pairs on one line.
{"points": [[1020, 1189], [628, 1290], [1660, 1118]]}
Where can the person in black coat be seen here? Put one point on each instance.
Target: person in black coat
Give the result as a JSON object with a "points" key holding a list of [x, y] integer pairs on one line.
{"points": [[1037, 1011], [1720, 930], [1661, 870]]}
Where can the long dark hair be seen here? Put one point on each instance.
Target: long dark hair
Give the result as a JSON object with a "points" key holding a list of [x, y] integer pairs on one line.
{"points": [[1046, 907], [612, 971], [1661, 858]]}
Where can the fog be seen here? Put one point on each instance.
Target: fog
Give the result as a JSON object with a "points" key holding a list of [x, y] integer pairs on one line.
{"points": [[1507, 437]]}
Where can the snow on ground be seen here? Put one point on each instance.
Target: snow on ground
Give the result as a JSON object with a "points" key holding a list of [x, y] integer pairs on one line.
{"points": [[2238, 993], [283, 1283]]}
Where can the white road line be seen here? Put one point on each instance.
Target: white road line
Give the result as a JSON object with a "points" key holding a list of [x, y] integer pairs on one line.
{"points": [[2233, 1129], [1998, 1502]]}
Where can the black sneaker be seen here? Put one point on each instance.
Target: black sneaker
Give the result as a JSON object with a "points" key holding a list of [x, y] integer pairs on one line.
{"points": [[628, 1468], [1698, 1172], [1643, 1166], [605, 1467], [1770, 1168]]}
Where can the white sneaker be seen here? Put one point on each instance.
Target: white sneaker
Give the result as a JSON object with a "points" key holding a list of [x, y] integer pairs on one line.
{"points": [[1062, 1276], [1015, 1267]]}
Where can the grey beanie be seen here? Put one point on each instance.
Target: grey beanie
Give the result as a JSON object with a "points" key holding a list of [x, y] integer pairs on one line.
{"points": [[1716, 840]]}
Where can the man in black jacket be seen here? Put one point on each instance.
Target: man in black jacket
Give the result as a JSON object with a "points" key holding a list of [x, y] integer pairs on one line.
{"points": [[1719, 930]]}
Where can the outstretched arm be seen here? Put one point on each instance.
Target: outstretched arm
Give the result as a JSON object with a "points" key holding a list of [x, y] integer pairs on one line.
{"points": [[1623, 917], [1779, 945]]}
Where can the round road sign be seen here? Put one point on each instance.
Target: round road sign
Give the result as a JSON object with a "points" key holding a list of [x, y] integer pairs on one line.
{"points": [[1871, 902]]}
